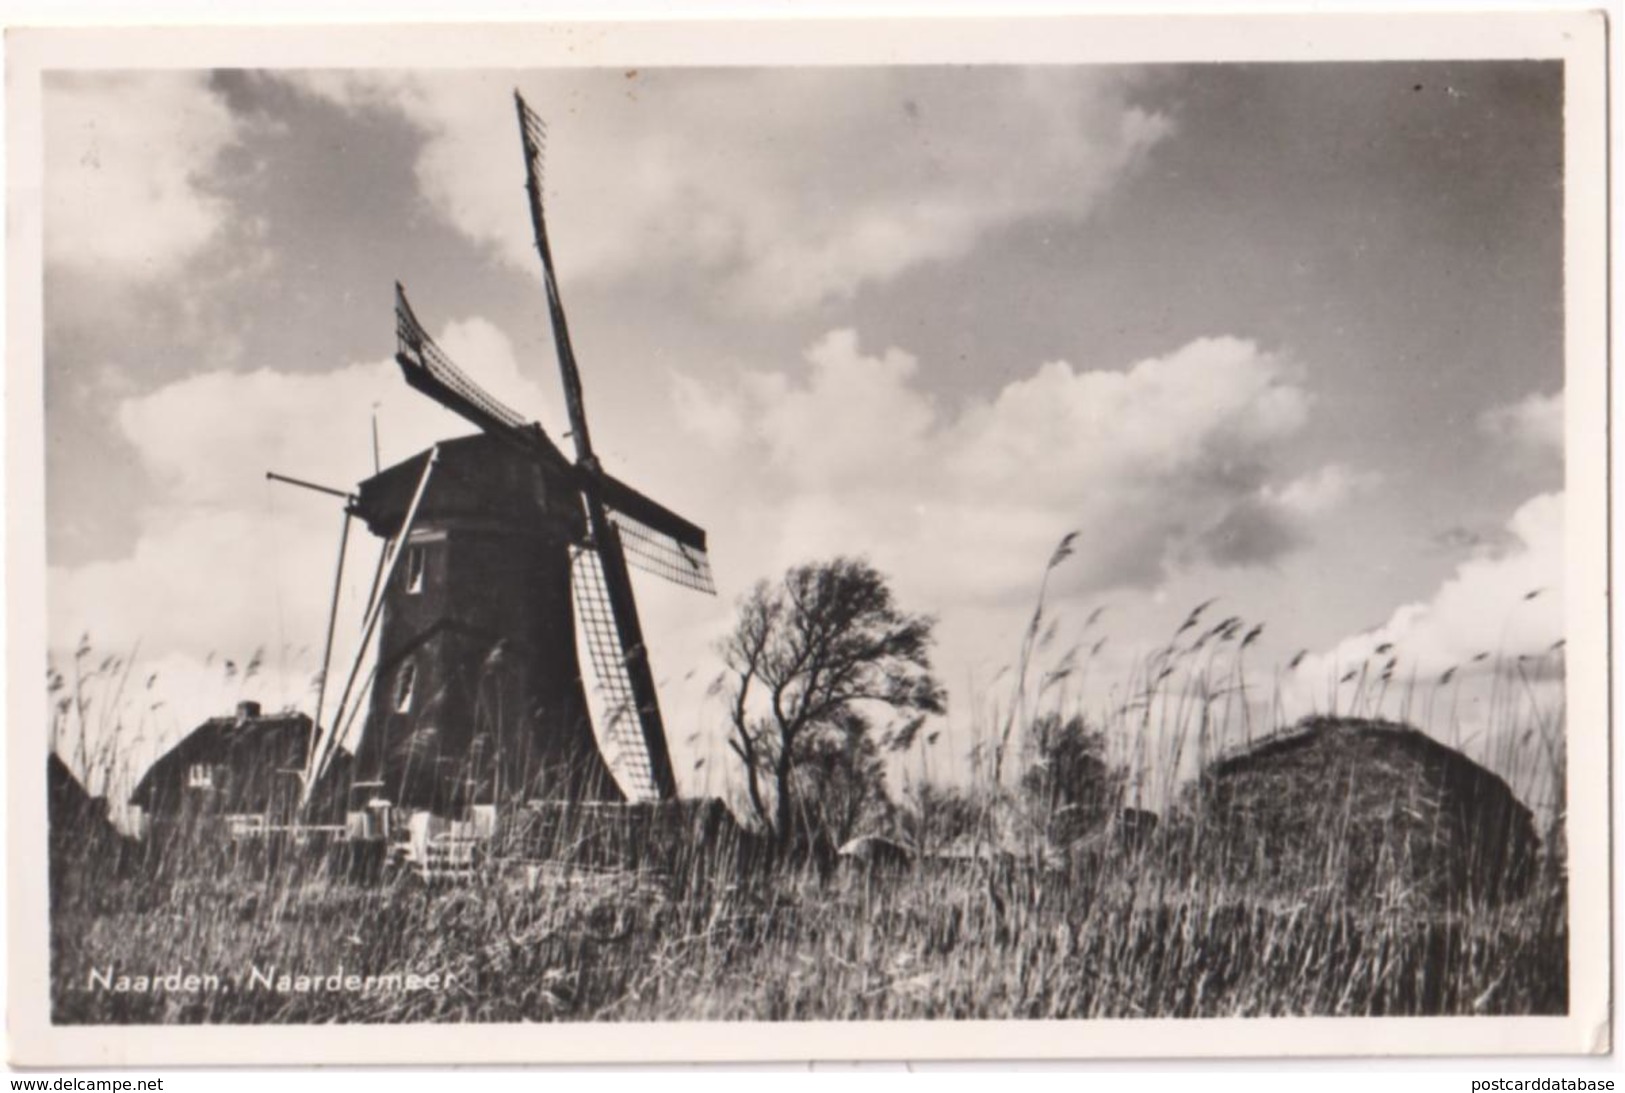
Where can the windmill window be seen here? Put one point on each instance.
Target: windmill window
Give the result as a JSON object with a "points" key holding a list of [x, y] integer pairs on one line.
{"points": [[414, 569], [405, 683], [200, 776]]}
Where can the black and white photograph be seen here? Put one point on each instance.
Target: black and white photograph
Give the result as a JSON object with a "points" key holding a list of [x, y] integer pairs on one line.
{"points": [[608, 536]]}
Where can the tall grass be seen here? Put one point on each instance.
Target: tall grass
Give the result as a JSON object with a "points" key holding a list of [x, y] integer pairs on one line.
{"points": [[1127, 939], [674, 923]]}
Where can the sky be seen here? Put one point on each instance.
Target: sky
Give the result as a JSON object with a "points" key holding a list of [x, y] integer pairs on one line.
{"points": [[1287, 336]]}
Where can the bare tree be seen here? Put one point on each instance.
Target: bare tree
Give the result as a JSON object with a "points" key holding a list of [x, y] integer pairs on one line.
{"points": [[807, 658]]}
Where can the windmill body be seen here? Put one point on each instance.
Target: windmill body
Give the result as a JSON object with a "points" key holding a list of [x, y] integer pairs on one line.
{"points": [[505, 562], [477, 695]]}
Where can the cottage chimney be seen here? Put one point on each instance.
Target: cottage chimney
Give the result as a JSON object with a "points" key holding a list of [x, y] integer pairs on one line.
{"points": [[247, 711]]}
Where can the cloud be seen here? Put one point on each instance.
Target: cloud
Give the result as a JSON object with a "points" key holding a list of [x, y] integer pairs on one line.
{"points": [[856, 415], [1323, 491], [1533, 426], [1484, 607], [1175, 464], [1478, 663], [789, 187], [226, 562], [1162, 465], [127, 156], [1279, 519], [716, 422], [204, 437], [1458, 537], [841, 452]]}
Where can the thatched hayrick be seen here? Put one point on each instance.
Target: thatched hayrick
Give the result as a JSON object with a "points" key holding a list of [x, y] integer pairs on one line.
{"points": [[1369, 809], [80, 830]]}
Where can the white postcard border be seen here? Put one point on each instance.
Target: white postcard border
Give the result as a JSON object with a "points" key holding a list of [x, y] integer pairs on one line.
{"points": [[1577, 37]]}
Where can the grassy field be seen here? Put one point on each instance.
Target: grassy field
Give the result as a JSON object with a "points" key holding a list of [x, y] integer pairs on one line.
{"points": [[1132, 928], [1132, 935]]}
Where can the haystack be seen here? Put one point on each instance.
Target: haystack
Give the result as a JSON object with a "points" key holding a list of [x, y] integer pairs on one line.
{"points": [[80, 831], [1367, 809]]}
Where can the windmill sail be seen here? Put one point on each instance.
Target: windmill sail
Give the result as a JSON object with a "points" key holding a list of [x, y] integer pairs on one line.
{"points": [[656, 539], [622, 614], [655, 552], [579, 530], [428, 369], [620, 730], [533, 136]]}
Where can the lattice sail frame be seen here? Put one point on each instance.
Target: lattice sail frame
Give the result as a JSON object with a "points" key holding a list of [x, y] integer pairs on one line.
{"points": [[620, 731], [658, 553], [647, 548], [415, 349], [535, 145]]}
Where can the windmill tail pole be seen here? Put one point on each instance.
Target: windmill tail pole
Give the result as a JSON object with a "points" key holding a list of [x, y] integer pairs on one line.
{"points": [[375, 610], [327, 649], [533, 138], [302, 484], [321, 756]]}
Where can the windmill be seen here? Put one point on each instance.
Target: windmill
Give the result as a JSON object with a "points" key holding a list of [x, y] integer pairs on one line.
{"points": [[494, 543]]}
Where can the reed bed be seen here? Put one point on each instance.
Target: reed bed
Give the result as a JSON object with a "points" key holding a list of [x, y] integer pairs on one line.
{"points": [[711, 929]]}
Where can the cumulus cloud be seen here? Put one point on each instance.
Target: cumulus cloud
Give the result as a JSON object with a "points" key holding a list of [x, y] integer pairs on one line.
{"points": [[1178, 464], [1166, 463], [1479, 663], [202, 438], [1277, 519], [1324, 490], [1533, 426], [1505, 604], [127, 157], [227, 563], [1458, 537], [855, 415], [790, 188]]}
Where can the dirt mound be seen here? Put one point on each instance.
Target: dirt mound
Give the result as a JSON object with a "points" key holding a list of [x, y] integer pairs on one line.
{"points": [[1370, 809]]}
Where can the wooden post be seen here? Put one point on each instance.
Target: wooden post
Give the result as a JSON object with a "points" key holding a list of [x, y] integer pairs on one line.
{"points": [[374, 611], [327, 652]]}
